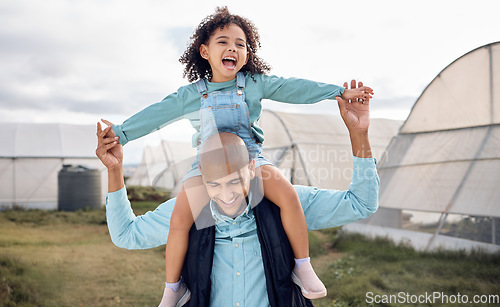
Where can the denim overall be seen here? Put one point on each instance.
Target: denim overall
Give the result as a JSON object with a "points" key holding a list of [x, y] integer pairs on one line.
{"points": [[226, 112]]}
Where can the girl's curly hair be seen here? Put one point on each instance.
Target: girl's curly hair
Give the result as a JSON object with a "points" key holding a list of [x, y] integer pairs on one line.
{"points": [[199, 68]]}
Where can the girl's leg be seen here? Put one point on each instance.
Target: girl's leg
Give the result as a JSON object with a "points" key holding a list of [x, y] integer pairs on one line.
{"points": [[281, 192], [190, 200]]}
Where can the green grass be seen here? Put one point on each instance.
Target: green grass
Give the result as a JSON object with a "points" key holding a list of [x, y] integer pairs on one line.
{"points": [[15, 287], [52, 258], [383, 268], [45, 217], [82, 216], [141, 207]]}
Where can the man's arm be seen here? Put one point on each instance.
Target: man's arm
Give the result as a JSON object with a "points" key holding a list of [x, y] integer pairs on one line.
{"points": [[127, 230], [356, 116], [331, 208], [110, 152], [326, 208], [136, 232]]}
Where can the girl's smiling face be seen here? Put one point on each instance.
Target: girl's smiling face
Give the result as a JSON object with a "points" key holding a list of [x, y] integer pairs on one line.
{"points": [[226, 52]]}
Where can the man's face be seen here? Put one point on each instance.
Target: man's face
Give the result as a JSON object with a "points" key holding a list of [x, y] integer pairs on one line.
{"points": [[229, 192]]}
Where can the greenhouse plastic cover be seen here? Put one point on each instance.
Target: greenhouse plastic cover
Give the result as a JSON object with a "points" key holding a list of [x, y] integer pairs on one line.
{"points": [[315, 149], [164, 165], [446, 157], [31, 156]]}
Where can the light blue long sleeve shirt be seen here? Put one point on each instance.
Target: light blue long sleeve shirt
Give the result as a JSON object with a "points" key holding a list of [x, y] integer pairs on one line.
{"points": [[185, 103], [238, 277]]}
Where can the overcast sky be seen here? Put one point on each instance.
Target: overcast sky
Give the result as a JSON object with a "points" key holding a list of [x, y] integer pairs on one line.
{"points": [[77, 61]]}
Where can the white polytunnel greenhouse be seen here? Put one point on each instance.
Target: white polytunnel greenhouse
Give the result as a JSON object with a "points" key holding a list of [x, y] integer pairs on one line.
{"points": [[440, 178], [32, 155], [315, 149], [164, 165]]}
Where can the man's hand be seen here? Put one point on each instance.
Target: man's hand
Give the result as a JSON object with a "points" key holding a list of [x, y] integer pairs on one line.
{"points": [[109, 150], [356, 116], [356, 111]]}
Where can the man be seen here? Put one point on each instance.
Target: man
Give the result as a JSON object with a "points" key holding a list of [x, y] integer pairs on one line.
{"points": [[242, 271]]}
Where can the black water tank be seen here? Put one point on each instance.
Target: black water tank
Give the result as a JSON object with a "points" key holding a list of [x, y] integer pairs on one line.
{"points": [[79, 187]]}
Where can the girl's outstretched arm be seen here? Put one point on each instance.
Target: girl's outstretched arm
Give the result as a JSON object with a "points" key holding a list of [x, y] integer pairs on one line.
{"points": [[172, 108]]}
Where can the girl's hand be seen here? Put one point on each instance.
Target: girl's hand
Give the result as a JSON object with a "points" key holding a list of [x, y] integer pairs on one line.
{"points": [[109, 150], [356, 112], [362, 92]]}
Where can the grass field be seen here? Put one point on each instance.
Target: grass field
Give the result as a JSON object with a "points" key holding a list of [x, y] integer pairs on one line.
{"points": [[51, 258]]}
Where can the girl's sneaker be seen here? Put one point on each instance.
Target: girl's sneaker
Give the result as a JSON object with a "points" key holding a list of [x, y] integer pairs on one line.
{"points": [[309, 283], [175, 299]]}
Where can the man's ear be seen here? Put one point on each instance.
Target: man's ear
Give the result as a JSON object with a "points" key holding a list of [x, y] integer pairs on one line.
{"points": [[204, 51], [251, 169]]}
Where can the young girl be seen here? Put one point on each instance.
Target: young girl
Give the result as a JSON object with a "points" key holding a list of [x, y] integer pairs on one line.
{"points": [[231, 83]]}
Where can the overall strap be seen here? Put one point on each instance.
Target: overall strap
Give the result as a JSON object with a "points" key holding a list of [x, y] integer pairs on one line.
{"points": [[240, 80], [201, 86]]}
